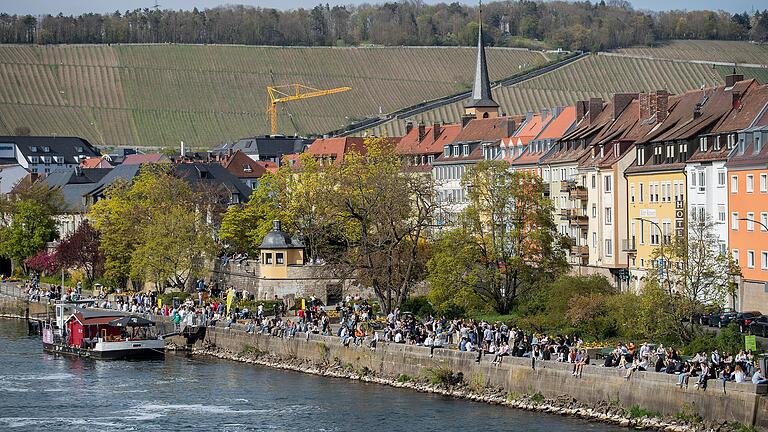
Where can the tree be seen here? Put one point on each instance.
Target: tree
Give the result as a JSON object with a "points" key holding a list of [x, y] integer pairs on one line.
{"points": [[244, 227], [154, 229], [43, 262], [82, 250], [508, 237], [31, 227], [382, 217]]}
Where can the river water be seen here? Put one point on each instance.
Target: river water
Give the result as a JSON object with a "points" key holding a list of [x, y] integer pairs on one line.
{"points": [[40, 391]]}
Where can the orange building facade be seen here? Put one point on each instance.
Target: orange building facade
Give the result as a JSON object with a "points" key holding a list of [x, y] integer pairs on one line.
{"points": [[748, 207]]}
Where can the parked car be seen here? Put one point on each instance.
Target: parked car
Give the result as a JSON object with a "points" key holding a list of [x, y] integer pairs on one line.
{"points": [[744, 319], [704, 316], [722, 318], [759, 326]]}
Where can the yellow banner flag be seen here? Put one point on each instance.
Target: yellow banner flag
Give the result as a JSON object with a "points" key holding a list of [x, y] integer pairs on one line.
{"points": [[159, 303], [230, 298], [303, 305]]}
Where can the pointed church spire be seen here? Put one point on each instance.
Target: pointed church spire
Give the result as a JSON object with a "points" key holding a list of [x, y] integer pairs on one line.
{"points": [[481, 90]]}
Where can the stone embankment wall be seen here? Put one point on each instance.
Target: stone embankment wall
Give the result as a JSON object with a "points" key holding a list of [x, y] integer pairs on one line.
{"points": [[17, 308], [653, 391]]}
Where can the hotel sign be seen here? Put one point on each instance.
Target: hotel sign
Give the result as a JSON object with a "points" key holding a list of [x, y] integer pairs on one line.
{"points": [[680, 218]]}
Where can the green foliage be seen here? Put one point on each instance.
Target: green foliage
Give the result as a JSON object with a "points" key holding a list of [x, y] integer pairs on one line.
{"points": [[244, 227], [167, 298], [31, 227], [402, 378], [505, 245], [154, 229], [728, 339], [537, 398], [438, 376], [636, 411], [419, 306], [688, 414]]}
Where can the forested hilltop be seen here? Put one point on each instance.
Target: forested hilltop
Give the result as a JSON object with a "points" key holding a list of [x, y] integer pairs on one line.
{"points": [[533, 24]]}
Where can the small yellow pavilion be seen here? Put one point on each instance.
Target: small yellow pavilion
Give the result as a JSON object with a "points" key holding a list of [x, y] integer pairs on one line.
{"points": [[278, 251]]}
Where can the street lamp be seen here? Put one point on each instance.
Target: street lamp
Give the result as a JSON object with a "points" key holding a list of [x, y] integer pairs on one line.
{"points": [[754, 221], [661, 239]]}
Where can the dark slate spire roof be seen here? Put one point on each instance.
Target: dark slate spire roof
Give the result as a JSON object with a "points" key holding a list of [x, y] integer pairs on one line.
{"points": [[481, 91]]}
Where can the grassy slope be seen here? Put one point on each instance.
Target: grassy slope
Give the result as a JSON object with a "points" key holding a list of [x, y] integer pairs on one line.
{"points": [[157, 95]]}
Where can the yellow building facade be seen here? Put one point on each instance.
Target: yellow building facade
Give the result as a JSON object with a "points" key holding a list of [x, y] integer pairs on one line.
{"points": [[656, 204], [278, 252]]}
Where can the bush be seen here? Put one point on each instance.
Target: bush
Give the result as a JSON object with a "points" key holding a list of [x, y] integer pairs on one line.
{"points": [[688, 414], [419, 306], [727, 340], [403, 378], [167, 298], [636, 411], [439, 376]]}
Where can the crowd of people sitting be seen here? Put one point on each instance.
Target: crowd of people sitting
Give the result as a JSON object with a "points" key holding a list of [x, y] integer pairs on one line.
{"points": [[358, 325]]}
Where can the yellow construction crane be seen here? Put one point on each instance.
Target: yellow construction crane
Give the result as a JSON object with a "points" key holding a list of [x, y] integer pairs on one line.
{"points": [[290, 92]]}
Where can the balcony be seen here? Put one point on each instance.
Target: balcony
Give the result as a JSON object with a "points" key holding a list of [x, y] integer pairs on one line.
{"points": [[628, 245], [576, 216], [580, 255], [577, 193], [546, 188]]}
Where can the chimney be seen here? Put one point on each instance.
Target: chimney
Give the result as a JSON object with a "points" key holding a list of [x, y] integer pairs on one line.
{"points": [[276, 225], [544, 113], [697, 110], [510, 126], [422, 131], [620, 102], [662, 105], [465, 119], [733, 78], [408, 127], [595, 108], [528, 116], [436, 130], [644, 102], [581, 109], [182, 150]]}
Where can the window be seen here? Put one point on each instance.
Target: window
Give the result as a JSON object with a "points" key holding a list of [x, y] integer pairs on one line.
{"points": [[735, 221], [750, 183], [608, 216], [608, 183], [751, 259], [670, 152], [608, 247], [731, 141], [717, 142], [735, 253], [655, 234], [33, 149], [594, 181], [721, 213], [447, 151], [734, 184], [279, 258], [465, 150], [594, 211], [764, 260], [693, 180], [642, 232], [641, 192], [702, 181], [763, 221], [703, 144], [641, 156], [631, 192], [667, 231], [455, 150], [763, 182], [268, 258], [594, 239], [720, 178], [750, 223]]}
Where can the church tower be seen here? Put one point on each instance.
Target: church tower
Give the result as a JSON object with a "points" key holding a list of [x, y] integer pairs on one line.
{"points": [[482, 104]]}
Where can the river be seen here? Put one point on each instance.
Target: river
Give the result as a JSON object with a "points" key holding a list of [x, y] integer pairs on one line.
{"points": [[40, 391]]}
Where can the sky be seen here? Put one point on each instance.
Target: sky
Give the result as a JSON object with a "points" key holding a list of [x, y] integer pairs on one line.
{"points": [[76, 7]]}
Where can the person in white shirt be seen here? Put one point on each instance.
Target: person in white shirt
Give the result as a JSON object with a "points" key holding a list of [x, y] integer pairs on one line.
{"points": [[758, 378]]}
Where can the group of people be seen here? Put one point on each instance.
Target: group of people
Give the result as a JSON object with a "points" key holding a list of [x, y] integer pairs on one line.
{"points": [[726, 367]]}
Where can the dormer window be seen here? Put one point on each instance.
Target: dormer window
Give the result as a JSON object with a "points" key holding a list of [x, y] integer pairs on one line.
{"points": [[247, 168], [79, 149], [33, 149], [616, 149], [602, 151], [731, 141], [446, 151], [703, 144], [640, 155], [455, 151], [58, 159], [46, 149], [717, 145], [465, 150], [34, 159]]}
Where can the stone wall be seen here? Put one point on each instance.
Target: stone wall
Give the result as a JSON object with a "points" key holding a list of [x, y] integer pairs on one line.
{"points": [[302, 281], [653, 391]]}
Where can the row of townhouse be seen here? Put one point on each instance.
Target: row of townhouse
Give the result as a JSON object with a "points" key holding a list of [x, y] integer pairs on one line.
{"points": [[625, 175]]}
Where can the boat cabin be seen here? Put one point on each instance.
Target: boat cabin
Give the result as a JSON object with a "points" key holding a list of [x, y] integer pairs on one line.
{"points": [[84, 331]]}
